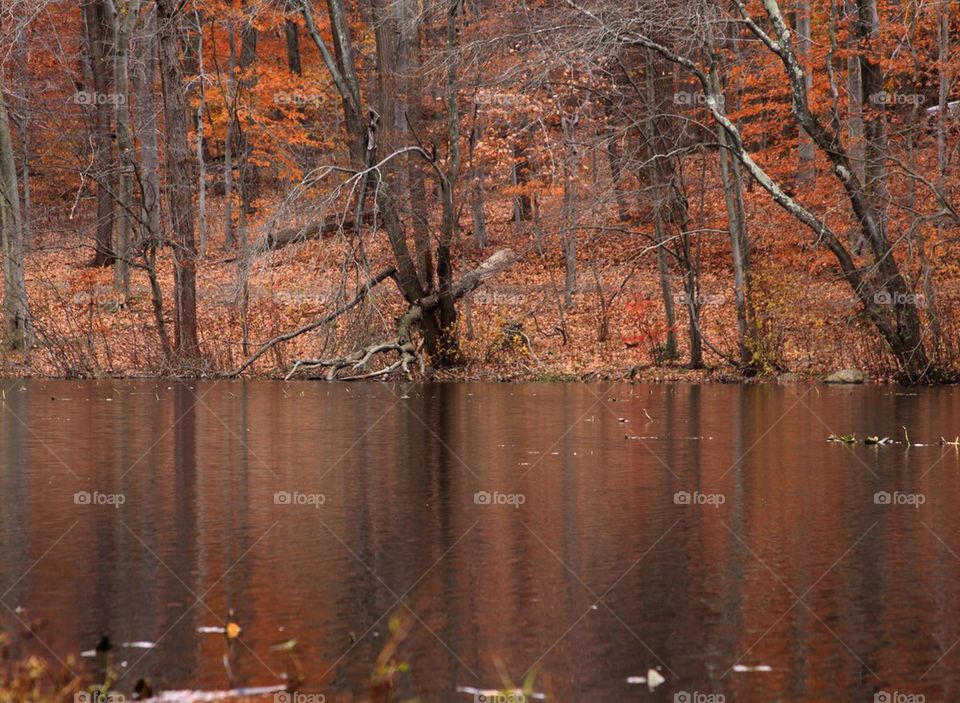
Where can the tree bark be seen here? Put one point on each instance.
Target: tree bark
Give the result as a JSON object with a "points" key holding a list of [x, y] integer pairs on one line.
{"points": [[124, 21], [16, 316], [249, 171], [739, 242], [568, 232], [805, 148], [180, 177], [98, 32], [409, 65], [291, 31], [145, 76]]}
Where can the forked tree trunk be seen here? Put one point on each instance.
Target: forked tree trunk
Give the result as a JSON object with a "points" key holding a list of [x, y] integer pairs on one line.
{"points": [[435, 322]]}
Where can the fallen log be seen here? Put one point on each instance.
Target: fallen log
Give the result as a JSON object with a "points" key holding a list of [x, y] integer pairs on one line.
{"points": [[277, 239], [315, 230]]}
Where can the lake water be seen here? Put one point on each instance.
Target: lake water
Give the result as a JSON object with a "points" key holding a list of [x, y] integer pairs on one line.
{"points": [[513, 527]]}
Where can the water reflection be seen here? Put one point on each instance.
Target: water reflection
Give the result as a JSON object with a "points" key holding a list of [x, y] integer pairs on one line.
{"points": [[597, 576]]}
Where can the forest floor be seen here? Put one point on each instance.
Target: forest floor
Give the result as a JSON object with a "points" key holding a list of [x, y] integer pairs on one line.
{"points": [[807, 320]]}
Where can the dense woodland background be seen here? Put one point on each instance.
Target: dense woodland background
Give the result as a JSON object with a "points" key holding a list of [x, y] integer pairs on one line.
{"points": [[369, 188]]}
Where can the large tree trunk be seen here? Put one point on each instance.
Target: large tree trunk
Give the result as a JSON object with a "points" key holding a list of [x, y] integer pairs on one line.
{"points": [[739, 243], [124, 21], [670, 201], [435, 323], [22, 62], [449, 346], [229, 230], [941, 346], [875, 121], [151, 231], [805, 148], [855, 101], [291, 32], [249, 171], [16, 317], [145, 76], [180, 180], [476, 183], [520, 175], [409, 65], [568, 231], [98, 30]]}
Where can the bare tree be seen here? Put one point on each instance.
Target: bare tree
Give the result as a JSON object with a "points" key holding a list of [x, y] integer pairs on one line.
{"points": [[881, 288], [16, 316], [180, 177], [98, 26], [125, 17]]}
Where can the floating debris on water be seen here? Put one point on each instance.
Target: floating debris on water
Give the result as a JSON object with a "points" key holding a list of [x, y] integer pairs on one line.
{"points": [[105, 645], [631, 436], [844, 438], [653, 679], [188, 696]]}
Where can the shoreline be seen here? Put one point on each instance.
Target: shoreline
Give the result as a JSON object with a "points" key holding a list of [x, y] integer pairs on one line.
{"points": [[635, 375]]}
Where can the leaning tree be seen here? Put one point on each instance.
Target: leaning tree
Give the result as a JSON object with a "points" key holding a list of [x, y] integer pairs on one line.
{"points": [[683, 34]]}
